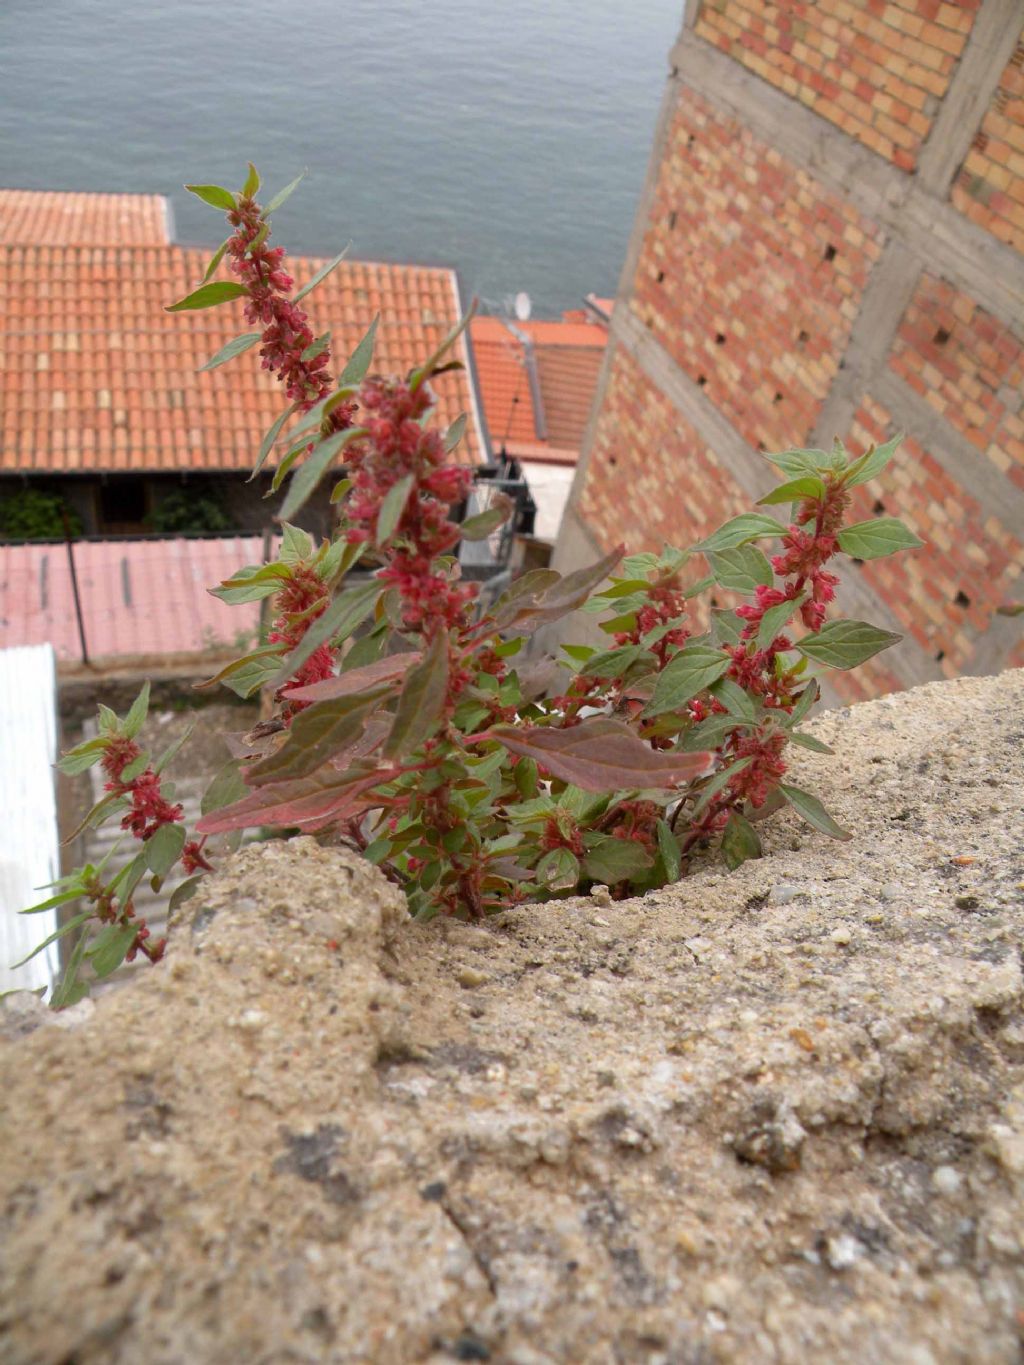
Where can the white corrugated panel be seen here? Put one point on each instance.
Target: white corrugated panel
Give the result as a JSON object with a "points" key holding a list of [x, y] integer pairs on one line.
{"points": [[29, 842]]}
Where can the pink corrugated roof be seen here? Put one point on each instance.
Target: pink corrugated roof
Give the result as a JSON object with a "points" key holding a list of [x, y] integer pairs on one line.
{"points": [[138, 597]]}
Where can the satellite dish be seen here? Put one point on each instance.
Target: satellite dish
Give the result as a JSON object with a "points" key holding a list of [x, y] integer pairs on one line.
{"points": [[523, 306]]}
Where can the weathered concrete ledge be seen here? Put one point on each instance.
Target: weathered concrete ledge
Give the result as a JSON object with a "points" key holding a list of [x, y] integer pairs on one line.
{"points": [[776, 1116]]}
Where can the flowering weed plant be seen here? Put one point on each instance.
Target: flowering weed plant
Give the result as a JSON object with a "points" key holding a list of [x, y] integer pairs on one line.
{"points": [[410, 724]]}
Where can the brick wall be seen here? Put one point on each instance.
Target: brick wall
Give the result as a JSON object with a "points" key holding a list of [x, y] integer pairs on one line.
{"points": [[990, 186], [654, 480], [830, 242], [751, 274], [876, 70], [969, 367]]}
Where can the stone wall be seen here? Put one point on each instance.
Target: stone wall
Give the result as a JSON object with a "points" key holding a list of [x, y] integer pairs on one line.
{"points": [[830, 243], [766, 1118]]}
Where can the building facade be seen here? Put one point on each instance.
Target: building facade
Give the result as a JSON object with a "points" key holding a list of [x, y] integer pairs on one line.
{"points": [[830, 242]]}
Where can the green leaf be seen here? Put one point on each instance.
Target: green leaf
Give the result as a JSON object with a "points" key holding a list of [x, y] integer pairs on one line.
{"points": [[340, 489], [111, 945], [216, 258], [72, 923], [871, 463], [296, 544], [429, 367], [721, 779], [251, 584], [668, 847], [135, 768], [284, 467], [422, 699], [183, 892], [237, 346], [726, 627], [252, 182], [613, 663], [736, 701], [62, 898], [391, 508], [209, 296], [317, 347], [796, 463], [876, 538], [558, 870], [455, 433], [612, 860], [345, 612], [271, 654], [322, 273], [108, 721], [480, 526], [845, 644], [740, 530], [708, 734], [809, 742], [809, 808], [804, 702], [775, 620], [741, 569], [137, 713], [163, 848], [362, 357], [70, 990], [807, 486], [689, 672], [82, 756], [225, 788], [172, 749], [284, 194], [739, 841], [214, 195], [304, 483], [267, 444]]}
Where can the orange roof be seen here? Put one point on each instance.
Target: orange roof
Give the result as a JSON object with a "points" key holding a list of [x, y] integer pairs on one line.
{"points": [[94, 375], [565, 358], [504, 382], [53, 218]]}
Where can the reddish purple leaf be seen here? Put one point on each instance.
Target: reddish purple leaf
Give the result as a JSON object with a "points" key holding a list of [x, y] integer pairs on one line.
{"points": [[317, 736], [309, 802], [357, 679], [601, 755], [553, 598]]}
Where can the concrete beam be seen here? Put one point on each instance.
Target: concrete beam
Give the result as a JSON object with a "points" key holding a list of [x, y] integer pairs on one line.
{"points": [[962, 461], [889, 291], [994, 35]]}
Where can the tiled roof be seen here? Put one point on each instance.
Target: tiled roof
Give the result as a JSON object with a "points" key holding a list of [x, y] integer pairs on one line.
{"points": [[504, 383], [138, 597], [95, 376], [566, 359], [54, 218]]}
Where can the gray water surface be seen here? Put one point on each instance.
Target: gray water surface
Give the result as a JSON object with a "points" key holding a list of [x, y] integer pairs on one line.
{"points": [[509, 140]]}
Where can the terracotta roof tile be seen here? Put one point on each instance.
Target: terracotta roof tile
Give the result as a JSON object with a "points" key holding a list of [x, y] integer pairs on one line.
{"points": [[56, 218], [567, 358], [94, 375], [138, 597], [504, 383], [568, 382]]}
